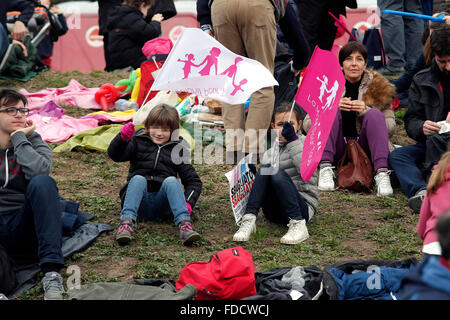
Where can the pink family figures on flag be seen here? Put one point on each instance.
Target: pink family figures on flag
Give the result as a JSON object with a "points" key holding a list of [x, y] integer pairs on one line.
{"points": [[232, 70], [239, 87], [210, 60], [332, 96], [188, 64], [323, 86]]}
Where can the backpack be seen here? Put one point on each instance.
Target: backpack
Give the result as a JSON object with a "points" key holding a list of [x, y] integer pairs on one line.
{"points": [[355, 169], [8, 279], [376, 57], [147, 79], [288, 84], [229, 275]]}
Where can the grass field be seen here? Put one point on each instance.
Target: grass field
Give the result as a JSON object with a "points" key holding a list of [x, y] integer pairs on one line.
{"points": [[346, 226]]}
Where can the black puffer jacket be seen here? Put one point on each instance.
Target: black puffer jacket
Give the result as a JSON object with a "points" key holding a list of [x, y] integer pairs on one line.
{"points": [[154, 162], [127, 33], [426, 102]]}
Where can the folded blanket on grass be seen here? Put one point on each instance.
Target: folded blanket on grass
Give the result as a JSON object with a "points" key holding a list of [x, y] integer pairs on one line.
{"points": [[99, 139]]}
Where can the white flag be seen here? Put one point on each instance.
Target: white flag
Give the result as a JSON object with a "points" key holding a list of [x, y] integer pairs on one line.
{"points": [[200, 65]]}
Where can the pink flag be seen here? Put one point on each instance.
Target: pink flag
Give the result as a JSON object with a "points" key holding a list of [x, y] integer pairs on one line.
{"points": [[319, 94]]}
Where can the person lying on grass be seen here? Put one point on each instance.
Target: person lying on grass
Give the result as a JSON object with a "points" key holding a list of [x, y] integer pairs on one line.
{"points": [[152, 190], [278, 189]]}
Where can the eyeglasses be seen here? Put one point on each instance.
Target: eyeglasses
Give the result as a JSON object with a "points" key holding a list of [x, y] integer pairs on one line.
{"points": [[13, 111]]}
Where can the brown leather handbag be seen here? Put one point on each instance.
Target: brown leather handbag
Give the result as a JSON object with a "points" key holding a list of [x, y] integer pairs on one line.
{"points": [[355, 170]]}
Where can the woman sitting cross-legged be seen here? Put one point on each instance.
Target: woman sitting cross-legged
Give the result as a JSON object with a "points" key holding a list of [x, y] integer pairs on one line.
{"points": [[365, 113]]}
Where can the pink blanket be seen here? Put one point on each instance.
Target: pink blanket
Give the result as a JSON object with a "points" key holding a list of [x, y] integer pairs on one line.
{"points": [[74, 95], [54, 129], [115, 116]]}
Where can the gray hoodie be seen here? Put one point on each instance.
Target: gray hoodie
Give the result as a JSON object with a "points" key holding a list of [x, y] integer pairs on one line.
{"points": [[290, 159], [26, 158]]}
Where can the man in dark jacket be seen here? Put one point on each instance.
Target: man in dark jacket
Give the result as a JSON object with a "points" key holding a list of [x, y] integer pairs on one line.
{"points": [[30, 210], [429, 103], [430, 280], [249, 29]]}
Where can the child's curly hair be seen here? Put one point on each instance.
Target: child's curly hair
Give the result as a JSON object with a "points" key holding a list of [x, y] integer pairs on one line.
{"points": [[138, 3]]}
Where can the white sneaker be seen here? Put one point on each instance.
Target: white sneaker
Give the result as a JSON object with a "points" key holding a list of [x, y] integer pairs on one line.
{"points": [[297, 232], [246, 228], [383, 183], [326, 179]]}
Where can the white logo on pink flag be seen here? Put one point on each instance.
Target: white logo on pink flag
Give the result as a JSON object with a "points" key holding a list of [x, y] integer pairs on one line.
{"points": [[200, 65], [319, 94]]}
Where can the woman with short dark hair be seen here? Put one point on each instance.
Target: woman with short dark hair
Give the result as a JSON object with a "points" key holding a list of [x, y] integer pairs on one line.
{"points": [[365, 114]]}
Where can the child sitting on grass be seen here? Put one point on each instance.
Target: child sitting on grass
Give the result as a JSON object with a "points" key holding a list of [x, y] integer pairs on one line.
{"points": [[435, 204], [278, 189], [152, 190]]}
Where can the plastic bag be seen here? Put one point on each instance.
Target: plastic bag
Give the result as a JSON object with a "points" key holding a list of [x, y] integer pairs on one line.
{"points": [[167, 97]]}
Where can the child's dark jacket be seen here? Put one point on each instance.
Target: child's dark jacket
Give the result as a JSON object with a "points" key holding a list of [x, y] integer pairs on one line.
{"points": [[155, 163]]}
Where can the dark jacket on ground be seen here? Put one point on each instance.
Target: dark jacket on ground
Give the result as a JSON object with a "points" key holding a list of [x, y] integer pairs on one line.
{"points": [[45, 48], [24, 6], [154, 162], [127, 33], [426, 102], [289, 25], [430, 280]]}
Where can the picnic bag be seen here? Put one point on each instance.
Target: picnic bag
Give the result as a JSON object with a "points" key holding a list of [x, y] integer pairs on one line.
{"points": [[355, 169], [229, 275]]}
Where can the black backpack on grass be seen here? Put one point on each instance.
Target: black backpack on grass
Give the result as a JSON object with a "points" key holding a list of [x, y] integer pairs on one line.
{"points": [[8, 279]]}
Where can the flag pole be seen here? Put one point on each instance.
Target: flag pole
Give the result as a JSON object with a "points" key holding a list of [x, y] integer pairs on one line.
{"points": [[290, 113]]}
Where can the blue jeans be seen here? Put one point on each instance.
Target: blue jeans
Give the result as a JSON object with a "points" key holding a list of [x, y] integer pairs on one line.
{"points": [[278, 197], [149, 206], [401, 35], [4, 41], [35, 231], [405, 161]]}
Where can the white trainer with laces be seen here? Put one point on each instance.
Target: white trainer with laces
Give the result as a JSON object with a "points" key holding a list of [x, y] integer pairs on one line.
{"points": [[246, 228], [326, 179], [383, 183], [297, 232], [53, 286]]}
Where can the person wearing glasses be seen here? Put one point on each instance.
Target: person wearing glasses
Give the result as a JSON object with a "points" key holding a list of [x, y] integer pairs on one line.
{"points": [[30, 210]]}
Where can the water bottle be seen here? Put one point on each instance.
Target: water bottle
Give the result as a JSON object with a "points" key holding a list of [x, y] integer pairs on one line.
{"points": [[123, 105]]}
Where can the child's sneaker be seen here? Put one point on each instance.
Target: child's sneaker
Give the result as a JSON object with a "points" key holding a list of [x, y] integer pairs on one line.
{"points": [[187, 233], [246, 227], [297, 232], [124, 232]]}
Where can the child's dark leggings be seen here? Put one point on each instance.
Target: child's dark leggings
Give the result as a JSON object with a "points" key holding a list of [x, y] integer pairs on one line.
{"points": [[278, 197]]}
